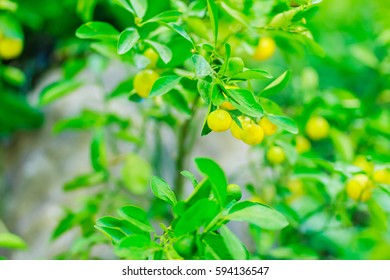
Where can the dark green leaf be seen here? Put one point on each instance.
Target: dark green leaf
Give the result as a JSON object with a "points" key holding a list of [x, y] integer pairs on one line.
{"points": [[114, 234], [252, 74]]}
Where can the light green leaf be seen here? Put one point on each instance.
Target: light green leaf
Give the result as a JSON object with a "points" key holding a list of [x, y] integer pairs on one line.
{"points": [[245, 102], [254, 74], [137, 217], [164, 84], [136, 173], [277, 85], [284, 123], [57, 90], [166, 16], [127, 40], [140, 7], [115, 234], [97, 30], [179, 30], [164, 52], [257, 214], [125, 5], [240, 17], [11, 241], [136, 247], [85, 9], [202, 67], [86, 180], [162, 190], [234, 245], [213, 14]]}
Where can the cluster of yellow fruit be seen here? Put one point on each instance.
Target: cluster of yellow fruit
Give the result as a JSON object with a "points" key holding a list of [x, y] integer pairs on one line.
{"points": [[10, 48], [144, 79], [360, 186]]}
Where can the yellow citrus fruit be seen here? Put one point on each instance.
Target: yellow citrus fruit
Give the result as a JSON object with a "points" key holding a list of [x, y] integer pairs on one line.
{"points": [[268, 127], [234, 191], [252, 134], [362, 162], [143, 82], [317, 128], [295, 186], [359, 187], [227, 106], [219, 120], [265, 48], [302, 144], [152, 56], [10, 48], [382, 176], [275, 155], [236, 130]]}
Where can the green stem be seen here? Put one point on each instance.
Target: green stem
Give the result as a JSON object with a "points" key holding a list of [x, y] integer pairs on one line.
{"points": [[183, 150]]}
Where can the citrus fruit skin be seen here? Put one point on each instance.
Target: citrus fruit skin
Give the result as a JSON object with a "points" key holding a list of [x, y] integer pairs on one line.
{"points": [[275, 155], [237, 131], [10, 48], [143, 82], [362, 162], [185, 246], [252, 134], [302, 144], [317, 128], [219, 120], [152, 56], [359, 187], [265, 49], [382, 176], [234, 191], [268, 127], [227, 106]]}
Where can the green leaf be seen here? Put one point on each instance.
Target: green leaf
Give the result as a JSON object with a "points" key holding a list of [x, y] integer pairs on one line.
{"points": [[202, 67], [257, 214], [215, 247], [86, 180], [240, 17], [12, 75], [204, 89], [190, 176], [245, 102], [123, 225], [87, 119], [125, 5], [57, 90], [85, 9], [166, 16], [164, 52], [66, 223], [136, 173], [164, 84], [98, 152], [234, 245], [343, 144], [177, 100], [270, 107], [199, 214], [217, 177], [127, 40], [284, 123], [137, 217], [140, 7], [277, 85], [213, 14], [114, 234], [179, 30], [11, 241], [136, 247], [162, 190], [97, 30], [254, 74]]}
